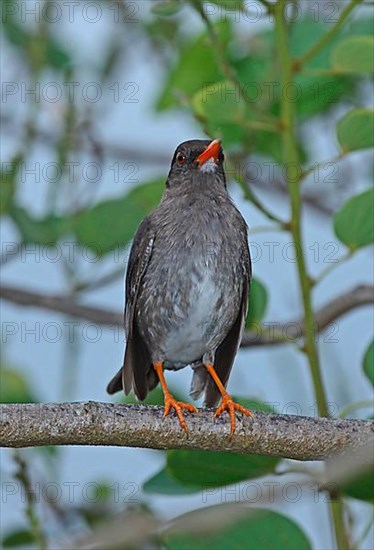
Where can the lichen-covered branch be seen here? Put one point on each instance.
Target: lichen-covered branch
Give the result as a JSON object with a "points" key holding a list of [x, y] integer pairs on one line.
{"points": [[92, 423]]}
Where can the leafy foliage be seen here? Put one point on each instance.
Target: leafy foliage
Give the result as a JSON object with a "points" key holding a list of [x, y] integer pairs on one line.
{"points": [[260, 529], [164, 483], [353, 55], [14, 388], [211, 469], [361, 488], [257, 303], [356, 130], [187, 76], [45, 231], [122, 215], [354, 222], [18, 537]]}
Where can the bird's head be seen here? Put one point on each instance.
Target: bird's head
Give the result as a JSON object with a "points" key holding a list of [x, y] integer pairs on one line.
{"points": [[197, 161]]}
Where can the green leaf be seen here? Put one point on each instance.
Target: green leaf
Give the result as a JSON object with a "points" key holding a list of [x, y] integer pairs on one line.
{"points": [[356, 130], [354, 222], [354, 55], [42, 231], [14, 387], [369, 363], [214, 469], [222, 110], [257, 303], [258, 530], [361, 488], [196, 67], [166, 7], [164, 483], [111, 224], [219, 102], [19, 537]]}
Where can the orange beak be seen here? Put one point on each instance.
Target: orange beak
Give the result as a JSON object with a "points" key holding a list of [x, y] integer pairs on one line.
{"points": [[211, 152]]}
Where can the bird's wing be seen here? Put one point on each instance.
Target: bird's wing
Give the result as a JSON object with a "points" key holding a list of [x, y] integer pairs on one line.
{"points": [[137, 362], [227, 350], [140, 255]]}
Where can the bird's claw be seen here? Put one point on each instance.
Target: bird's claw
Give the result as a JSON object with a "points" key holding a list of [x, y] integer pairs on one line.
{"points": [[178, 406], [227, 404]]}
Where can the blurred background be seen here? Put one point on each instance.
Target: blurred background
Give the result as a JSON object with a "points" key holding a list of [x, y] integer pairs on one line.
{"points": [[96, 95]]}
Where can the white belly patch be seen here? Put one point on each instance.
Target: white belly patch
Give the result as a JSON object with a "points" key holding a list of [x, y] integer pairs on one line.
{"points": [[188, 342]]}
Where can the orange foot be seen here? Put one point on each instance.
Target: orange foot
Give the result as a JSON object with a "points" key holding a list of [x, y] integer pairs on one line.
{"points": [[228, 404], [178, 406]]}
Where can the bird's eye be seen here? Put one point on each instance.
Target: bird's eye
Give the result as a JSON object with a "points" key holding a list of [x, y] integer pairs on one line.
{"points": [[181, 159]]}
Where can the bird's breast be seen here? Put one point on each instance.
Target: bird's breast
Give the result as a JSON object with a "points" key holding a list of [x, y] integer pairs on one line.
{"points": [[189, 338], [190, 295]]}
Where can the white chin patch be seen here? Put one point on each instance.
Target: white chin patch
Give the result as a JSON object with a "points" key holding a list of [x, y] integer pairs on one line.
{"points": [[209, 166]]}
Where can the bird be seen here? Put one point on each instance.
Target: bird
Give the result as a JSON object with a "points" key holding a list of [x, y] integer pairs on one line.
{"points": [[187, 285]]}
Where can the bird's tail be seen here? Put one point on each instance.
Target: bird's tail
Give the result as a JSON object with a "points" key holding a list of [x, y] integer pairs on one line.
{"points": [[115, 384]]}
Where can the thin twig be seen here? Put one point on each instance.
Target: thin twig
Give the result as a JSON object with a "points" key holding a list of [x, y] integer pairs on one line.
{"points": [[344, 258]]}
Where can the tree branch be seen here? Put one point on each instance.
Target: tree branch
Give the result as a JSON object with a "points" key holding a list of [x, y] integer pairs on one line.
{"points": [[61, 304], [272, 333], [91, 423]]}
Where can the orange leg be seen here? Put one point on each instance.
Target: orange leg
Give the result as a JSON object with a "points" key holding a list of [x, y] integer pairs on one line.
{"points": [[227, 402], [170, 401]]}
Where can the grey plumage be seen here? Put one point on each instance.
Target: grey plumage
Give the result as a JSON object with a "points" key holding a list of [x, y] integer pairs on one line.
{"points": [[187, 281]]}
